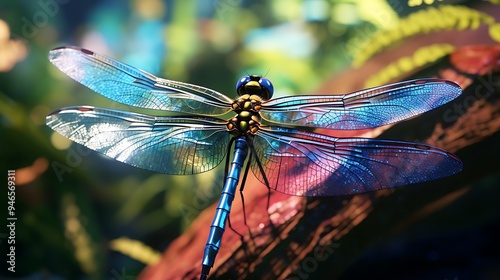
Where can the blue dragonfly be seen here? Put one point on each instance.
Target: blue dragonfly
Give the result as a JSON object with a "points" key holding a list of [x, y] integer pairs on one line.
{"points": [[282, 157]]}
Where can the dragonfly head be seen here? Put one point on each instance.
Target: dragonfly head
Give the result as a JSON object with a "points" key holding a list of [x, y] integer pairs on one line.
{"points": [[255, 85]]}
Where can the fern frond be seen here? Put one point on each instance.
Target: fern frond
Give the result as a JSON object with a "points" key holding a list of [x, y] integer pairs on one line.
{"points": [[422, 56], [494, 32], [432, 19], [414, 3], [135, 250], [77, 234]]}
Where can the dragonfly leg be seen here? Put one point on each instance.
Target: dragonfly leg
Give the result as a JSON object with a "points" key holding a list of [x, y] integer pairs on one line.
{"points": [[243, 183], [244, 244], [228, 158], [242, 237], [274, 229], [266, 181], [234, 230], [242, 186], [259, 164]]}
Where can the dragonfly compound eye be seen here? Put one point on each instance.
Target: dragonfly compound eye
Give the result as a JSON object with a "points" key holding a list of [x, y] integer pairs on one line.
{"points": [[240, 85], [268, 88], [255, 85]]}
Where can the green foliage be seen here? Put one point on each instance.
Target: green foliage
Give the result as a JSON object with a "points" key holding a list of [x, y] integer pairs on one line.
{"points": [[431, 19], [404, 65]]}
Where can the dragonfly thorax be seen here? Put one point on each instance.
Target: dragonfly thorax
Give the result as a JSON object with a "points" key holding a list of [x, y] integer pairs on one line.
{"points": [[247, 119]]}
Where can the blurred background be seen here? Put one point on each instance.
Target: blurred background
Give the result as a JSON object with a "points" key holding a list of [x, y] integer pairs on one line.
{"points": [[83, 216]]}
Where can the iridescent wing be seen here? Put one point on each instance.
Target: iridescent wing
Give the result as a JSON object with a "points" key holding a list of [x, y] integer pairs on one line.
{"points": [[309, 164], [362, 109], [170, 145], [128, 85]]}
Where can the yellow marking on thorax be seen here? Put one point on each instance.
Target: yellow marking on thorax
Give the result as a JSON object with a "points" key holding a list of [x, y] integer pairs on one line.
{"points": [[247, 119]]}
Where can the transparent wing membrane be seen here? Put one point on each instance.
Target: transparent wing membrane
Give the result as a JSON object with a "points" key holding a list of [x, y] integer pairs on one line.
{"points": [[170, 145], [295, 162], [308, 164], [363, 109], [128, 85]]}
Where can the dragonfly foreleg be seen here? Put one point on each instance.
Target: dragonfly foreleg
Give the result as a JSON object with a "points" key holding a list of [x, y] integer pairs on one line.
{"points": [[228, 158]]}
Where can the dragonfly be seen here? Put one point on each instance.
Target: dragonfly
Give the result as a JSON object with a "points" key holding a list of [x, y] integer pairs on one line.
{"points": [[266, 135]]}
